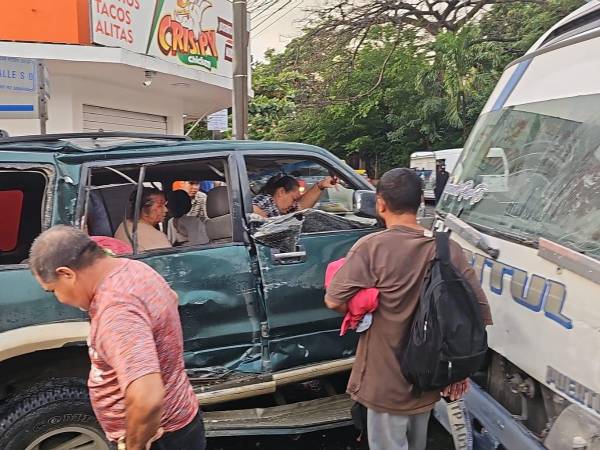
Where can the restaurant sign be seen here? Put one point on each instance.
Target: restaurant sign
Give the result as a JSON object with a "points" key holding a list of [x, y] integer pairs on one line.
{"points": [[193, 33]]}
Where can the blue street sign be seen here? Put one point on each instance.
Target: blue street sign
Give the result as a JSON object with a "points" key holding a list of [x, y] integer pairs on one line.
{"points": [[17, 108]]}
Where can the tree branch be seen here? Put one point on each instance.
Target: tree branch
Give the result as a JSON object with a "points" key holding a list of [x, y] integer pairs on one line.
{"points": [[359, 45]]}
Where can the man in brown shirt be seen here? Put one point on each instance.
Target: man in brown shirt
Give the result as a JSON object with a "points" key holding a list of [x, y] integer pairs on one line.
{"points": [[394, 261]]}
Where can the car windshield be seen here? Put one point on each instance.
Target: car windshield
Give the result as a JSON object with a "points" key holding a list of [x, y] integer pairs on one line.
{"points": [[428, 181], [532, 171]]}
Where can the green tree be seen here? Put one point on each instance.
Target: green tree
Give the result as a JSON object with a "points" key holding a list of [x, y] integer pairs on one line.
{"points": [[392, 90]]}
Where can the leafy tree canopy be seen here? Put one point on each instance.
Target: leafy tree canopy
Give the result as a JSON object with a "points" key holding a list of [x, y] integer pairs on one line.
{"points": [[374, 81]]}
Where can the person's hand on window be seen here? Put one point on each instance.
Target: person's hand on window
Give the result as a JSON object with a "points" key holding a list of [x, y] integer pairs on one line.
{"points": [[327, 182]]}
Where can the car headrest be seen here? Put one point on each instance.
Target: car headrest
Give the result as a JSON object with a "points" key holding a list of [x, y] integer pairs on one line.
{"points": [[217, 202], [179, 203], [98, 220]]}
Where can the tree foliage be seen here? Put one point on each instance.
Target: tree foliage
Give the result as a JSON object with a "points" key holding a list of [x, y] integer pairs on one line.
{"points": [[392, 89], [347, 18]]}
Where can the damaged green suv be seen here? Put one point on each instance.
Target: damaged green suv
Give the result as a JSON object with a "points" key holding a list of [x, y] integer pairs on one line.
{"points": [[251, 299]]}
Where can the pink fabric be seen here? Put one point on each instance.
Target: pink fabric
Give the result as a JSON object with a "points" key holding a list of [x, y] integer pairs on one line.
{"points": [[365, 301], [116, 246]]}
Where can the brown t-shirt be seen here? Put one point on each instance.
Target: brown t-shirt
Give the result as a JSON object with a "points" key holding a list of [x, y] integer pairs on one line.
{"points": [[393, 261]]}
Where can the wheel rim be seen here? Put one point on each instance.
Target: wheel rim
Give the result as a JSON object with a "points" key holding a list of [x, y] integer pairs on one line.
{"points": [[70, 438]]}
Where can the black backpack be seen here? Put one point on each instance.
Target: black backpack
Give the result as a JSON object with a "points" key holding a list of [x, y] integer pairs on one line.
{"points": [[447, 341]]}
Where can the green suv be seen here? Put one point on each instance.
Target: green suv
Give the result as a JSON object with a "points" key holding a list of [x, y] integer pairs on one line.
{"points": [[255, 328]]}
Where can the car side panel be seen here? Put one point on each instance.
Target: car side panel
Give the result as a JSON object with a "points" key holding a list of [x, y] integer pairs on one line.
{"points": [[218, 305], [301, 329]]}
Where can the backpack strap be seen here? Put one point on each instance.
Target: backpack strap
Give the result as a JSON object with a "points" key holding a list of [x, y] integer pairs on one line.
{"points": [[442, 244]]}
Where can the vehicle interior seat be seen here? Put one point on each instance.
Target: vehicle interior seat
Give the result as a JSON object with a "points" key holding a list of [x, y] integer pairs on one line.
{"points": [[182, 229], [218, 224], [98, 219], [178, 204]]}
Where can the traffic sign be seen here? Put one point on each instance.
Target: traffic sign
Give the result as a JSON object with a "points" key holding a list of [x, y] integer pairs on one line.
{"points": [[23, 90], [218, 121], [18, 75]]}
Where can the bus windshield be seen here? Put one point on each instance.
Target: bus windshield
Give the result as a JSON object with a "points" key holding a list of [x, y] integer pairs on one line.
{"points": [[531, 171]]}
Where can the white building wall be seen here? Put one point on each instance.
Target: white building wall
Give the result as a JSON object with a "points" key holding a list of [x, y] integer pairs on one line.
{"points": [[20, 127], [69, 94]]}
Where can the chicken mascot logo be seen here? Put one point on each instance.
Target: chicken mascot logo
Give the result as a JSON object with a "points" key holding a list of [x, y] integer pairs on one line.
{"points": [[181, 33]]}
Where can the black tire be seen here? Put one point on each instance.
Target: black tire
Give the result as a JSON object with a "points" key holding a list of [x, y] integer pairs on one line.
{"points": [[42, 411]]}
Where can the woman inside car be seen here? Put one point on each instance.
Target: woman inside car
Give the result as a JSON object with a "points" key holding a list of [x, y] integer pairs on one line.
{"points": [[153, 210], [281, 195]]}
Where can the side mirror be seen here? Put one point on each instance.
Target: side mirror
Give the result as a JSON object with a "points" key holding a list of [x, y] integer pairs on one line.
{"points": [[364, 202]]}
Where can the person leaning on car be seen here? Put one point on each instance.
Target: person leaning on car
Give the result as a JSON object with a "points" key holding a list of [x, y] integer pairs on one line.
{"points": [[281, 195], [138, 386]]}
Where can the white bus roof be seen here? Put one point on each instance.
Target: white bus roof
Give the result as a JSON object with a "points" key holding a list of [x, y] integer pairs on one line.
{"points": [[438, 154], [582, 11], [534, 78], [422, 155], [450, 151]]}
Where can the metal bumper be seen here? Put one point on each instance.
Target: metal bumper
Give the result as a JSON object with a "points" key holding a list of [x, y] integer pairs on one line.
{"points": [[492, 424]]}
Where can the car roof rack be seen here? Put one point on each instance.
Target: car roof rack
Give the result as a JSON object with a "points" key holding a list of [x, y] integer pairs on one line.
{"points": [[94, 135]]}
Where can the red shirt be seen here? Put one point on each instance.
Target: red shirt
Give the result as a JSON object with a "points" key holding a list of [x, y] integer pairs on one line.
{"points": [[136, 331]]}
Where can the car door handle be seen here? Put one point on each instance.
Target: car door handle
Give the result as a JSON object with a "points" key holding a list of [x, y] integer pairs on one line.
{"points": [[296, 257]]}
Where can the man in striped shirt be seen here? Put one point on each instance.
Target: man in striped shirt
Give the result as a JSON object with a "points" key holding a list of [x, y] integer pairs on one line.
{"points": [[138, 386]]}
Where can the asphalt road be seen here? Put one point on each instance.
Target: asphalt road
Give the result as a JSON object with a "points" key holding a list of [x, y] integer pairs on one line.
{"points": [[342, 439]]}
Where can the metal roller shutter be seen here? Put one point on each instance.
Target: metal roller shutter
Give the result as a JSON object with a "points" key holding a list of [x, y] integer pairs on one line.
{"points": [[96, 118]]}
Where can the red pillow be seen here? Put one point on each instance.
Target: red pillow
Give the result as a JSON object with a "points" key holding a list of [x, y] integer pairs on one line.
{"points": [[116, 246], [11, 203]]}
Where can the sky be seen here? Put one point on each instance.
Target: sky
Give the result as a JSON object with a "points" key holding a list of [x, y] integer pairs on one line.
{"points": [[278, 28]]}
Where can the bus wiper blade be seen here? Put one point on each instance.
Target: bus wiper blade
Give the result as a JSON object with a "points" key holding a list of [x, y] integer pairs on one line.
{"points": [[471, 235]]}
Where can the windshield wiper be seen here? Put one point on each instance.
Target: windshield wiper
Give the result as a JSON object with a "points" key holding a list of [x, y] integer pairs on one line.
{"points": [[471, 235], [503, 233]]}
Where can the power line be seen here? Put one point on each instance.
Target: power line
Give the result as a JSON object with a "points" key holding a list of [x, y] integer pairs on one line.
{"points": [[269, 17], [258, 8], [260, 5], [258, 33], [265, 9]]}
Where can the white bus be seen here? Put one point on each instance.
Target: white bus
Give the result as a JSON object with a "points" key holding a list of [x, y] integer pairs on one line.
{"points": [[425, 164], [524, 202]]}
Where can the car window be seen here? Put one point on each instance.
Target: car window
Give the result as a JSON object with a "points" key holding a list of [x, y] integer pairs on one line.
{"points": [[21, 202], [173, 209], [11, 205], [338, 200]]}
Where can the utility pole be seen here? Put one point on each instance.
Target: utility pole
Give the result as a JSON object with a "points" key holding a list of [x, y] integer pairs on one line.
{"points": [[240, 69], [42, 97]]}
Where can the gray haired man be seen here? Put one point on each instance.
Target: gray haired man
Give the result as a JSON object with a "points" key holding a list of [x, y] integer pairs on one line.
{"points": [[138, 387]]}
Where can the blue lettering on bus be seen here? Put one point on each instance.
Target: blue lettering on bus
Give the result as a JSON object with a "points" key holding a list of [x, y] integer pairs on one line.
{"points": [[531, 291]]}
